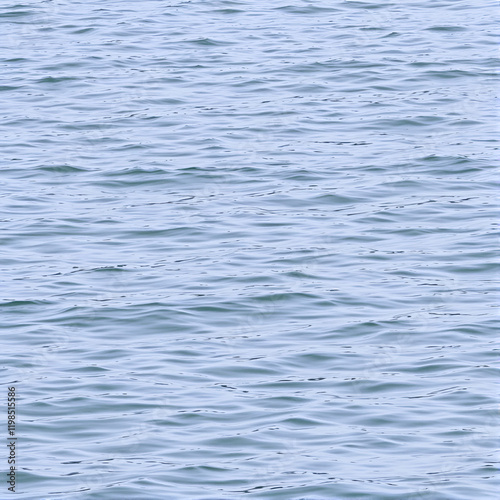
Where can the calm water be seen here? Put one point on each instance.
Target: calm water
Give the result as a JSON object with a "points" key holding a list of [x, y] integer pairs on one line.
{"points": [[249, 248]]}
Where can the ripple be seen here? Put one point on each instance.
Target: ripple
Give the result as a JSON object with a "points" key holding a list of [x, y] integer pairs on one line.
{"points": [[249, 250]]}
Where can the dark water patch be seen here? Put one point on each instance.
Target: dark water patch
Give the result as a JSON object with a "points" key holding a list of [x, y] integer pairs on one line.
{"points": [[447, 28], [7, 88], [54, 79], [17, 13], [62, 169], [306, 10]]}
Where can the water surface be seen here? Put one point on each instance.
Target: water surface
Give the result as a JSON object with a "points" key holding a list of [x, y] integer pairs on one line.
{"points": [[249, 248]]}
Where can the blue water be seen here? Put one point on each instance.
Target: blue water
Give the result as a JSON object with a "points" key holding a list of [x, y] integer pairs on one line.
{"points": [[249, 249]]}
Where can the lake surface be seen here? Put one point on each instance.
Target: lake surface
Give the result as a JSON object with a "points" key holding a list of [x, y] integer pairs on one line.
{"points": [[249, 249]]}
